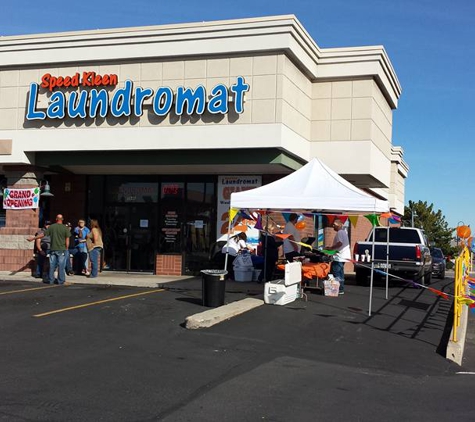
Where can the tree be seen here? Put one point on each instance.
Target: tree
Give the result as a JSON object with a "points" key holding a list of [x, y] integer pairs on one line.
{"points": [[433, 222]]}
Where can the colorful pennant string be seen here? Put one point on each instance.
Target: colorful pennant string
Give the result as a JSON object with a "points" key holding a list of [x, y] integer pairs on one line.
{"points": [[232, 213], [245, 215], [258, 224], [373, 219], [353, 220]]}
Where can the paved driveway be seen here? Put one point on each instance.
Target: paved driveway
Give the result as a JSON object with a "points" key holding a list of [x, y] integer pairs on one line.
{"points": [[81, 353]]}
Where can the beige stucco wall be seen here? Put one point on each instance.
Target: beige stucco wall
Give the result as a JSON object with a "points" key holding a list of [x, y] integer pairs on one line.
{"points": [[259, 71], [303, 99], [356, 111]]}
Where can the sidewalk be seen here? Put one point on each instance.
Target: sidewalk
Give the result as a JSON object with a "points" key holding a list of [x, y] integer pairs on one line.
{"points": [[115, 278]]}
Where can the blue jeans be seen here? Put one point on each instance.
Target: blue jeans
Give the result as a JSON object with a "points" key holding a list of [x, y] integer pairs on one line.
{"points": [[69, 265], [57, 259], [338, 271], [94, 255], [40, 263]]}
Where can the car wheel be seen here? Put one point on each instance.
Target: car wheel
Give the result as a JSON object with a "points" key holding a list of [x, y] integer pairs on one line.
{"points": [[427, 278]]}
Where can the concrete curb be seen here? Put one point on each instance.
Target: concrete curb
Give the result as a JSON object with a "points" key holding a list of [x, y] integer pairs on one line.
{"points": [[215, 316], [105, 278], [455, 349]]}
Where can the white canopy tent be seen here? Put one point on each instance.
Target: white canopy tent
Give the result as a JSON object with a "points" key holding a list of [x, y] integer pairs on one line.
{"points": [[313, 187], [316, 188]]}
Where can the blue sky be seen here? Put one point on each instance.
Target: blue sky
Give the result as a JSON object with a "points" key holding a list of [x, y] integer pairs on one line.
{"points": [[431, 44]]}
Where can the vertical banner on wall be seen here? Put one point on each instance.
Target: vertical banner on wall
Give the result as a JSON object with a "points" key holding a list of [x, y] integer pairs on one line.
{"points": [[20, 199], [226, 186]]}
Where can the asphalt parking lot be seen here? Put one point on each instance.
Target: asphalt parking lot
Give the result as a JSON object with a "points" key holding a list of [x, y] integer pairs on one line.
{"points": [[82, 352]]}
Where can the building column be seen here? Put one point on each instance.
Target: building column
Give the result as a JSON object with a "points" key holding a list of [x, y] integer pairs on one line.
{"points": [[16, 253]]}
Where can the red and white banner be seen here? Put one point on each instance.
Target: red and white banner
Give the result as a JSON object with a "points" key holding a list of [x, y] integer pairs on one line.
{"points": [[19, 199]]}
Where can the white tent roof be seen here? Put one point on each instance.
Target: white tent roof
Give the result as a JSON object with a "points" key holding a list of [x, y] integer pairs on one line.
{"points": [[313, 187]]}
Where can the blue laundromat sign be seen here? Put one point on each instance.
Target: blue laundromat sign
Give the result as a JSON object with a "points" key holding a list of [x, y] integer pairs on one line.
{"points": [[129, 100]]}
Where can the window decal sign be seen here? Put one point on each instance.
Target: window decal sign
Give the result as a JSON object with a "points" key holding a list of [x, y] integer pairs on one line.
{"points": [[89, 101], [20, 199], [226, 186]]}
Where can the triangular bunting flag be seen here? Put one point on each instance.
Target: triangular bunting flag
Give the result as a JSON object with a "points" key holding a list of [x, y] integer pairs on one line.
{"points": [[232, 213], [343, 218], [353, 220], [330, 220], [245, 215], [258, 224], [286, 216], [373, 219]]}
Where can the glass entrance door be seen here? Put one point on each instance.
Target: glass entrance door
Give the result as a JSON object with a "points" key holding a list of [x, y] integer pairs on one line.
{"points": [[130, 237], [200, 225]]}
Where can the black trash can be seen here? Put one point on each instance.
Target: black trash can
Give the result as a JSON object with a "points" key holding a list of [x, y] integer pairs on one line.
{"points": [[214, 287]]}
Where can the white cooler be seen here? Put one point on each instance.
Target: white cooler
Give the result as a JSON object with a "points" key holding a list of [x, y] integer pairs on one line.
{"points": [[281, 292]]}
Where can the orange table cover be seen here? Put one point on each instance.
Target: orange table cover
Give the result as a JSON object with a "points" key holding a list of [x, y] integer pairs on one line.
{"points": [[312, 270]]}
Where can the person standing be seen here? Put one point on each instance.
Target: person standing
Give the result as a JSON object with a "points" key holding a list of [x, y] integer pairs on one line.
{"points": [[269, 249], [71, 257], [80, 234], [234, 245], [59, 235], [341, 244], [94, 246], [41, 250], [291, 248]]}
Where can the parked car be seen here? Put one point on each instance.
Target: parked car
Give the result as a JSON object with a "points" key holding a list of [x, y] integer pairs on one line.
{"points": [[406, 255], [438, 263]]}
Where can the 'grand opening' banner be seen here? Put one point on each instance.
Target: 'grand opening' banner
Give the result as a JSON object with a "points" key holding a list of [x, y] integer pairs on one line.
{"points": [[19, 199]]}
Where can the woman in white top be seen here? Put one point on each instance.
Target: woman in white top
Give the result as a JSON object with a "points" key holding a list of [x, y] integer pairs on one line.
{"points": [[235, 244]]}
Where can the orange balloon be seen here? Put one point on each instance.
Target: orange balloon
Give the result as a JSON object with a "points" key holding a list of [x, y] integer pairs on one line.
{"points": [[463, 232], [300, 225]]}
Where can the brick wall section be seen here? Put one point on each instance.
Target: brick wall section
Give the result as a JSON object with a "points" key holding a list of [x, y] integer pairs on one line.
{"points": [[19, 224], [21, 218], [168, 264], [16, 260]]}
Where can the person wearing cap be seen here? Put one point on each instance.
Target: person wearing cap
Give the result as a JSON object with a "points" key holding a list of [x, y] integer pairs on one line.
{"points": [[41, 250], [59, 235]]}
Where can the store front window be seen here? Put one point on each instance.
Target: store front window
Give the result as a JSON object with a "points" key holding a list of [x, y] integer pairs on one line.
{"points": [[200, 225], [143, 216], [130, 222]]}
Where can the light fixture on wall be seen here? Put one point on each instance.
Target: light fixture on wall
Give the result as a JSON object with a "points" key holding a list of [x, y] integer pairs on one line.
{"points": [[46, 189]]}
